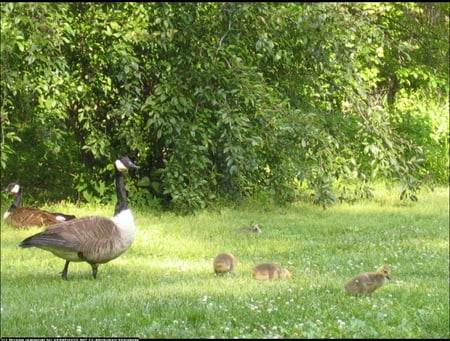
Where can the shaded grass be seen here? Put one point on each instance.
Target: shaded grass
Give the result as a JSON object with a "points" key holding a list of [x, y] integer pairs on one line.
{"points": [[164, 286]]}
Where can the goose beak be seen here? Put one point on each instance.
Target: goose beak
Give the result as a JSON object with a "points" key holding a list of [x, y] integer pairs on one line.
{"points": [[125, 164], [388, 277], [132, 165]]}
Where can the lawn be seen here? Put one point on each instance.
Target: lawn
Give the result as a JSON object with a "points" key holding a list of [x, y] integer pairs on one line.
{"points": [[164, 285]]}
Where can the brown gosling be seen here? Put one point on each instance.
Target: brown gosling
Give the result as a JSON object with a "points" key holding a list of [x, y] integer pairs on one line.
{"points": [[368, 282], [223, 263], [269, 271], [254, 229]]}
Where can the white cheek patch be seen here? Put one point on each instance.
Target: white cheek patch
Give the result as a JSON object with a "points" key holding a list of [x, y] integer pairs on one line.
{"points": [[6, 215], [120, 166], [15, 189], [60, 218]]}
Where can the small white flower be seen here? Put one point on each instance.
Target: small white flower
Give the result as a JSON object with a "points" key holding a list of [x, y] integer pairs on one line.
{"points": [[340, 323]]}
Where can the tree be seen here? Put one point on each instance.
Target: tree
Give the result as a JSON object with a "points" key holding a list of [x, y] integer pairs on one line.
{"points": [[225, 100]]}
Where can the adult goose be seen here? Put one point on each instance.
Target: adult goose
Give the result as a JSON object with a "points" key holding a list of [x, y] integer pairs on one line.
{"points": [[95, 240], [29, 216]]}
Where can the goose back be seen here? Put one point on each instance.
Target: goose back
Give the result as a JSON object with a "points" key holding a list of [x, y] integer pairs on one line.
{"points": [[24, 217]]}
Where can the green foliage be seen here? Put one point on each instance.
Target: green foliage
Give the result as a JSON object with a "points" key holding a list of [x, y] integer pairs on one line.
{"points": [[225, 100], [426, 122]]}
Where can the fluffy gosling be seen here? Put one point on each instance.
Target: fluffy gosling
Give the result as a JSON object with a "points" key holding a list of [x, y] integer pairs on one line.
{"points": [[269, 271], [368, 282], [253, 228], [223, 263]]}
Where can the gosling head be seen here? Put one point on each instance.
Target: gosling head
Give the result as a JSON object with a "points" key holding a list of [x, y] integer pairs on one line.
{"points": [[288, 274], [385, 271], [255, 228]]}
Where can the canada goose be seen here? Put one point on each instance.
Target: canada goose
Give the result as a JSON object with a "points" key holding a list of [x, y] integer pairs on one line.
{"points": [[368, 282], [224, 262], [269, 271], [29, 216], [95, 240], [253, 228]]}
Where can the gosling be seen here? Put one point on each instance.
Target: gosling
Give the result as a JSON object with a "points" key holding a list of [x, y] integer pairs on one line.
{"points": [[269, 271], [367, 282], [224, 263], [254, 229]]}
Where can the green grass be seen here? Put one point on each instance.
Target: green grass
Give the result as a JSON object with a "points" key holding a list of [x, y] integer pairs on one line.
{"points": [[164, 286]]}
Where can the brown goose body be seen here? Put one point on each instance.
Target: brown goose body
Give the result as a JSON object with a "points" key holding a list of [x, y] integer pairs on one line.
{"points": [[95, 240], [269, 271], [368, 282], [223, 263], [24, 217]]}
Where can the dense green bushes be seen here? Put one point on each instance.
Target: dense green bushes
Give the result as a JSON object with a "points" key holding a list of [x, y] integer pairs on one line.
{"points": [[224, 100]]}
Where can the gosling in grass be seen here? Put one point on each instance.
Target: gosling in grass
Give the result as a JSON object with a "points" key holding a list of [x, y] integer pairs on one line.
{"points": [[368, 282], [223, 263], [269, 271], [253, 229]]}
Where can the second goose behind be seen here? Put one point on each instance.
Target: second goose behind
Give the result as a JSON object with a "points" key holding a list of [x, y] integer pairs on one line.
{"points": [[18, 216]]}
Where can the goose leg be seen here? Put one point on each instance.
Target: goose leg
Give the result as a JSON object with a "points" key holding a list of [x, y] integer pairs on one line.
{"points": [[64, 272], [94, 270]]}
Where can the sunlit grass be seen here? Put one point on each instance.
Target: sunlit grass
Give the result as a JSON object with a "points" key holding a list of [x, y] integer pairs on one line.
{"points": [[164, 286]]}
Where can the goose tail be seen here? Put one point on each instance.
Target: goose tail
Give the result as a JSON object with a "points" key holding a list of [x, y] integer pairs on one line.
{"points": [[27, 243], [39, 240]]}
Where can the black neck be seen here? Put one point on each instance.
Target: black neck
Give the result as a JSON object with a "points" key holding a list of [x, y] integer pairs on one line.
{"points": [[17, 200], [122, 203]]}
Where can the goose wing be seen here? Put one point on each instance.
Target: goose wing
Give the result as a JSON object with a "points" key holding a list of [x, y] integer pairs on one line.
{"points": [[77, 234], [29, 216]]}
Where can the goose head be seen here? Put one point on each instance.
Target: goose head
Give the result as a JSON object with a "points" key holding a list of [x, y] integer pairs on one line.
{"points": [[12, 188], [124, 164]]}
